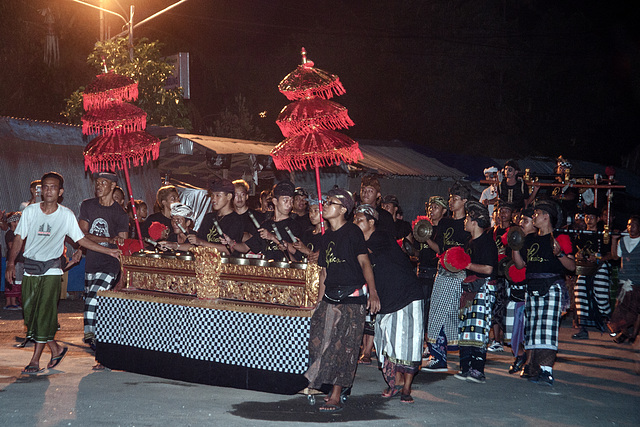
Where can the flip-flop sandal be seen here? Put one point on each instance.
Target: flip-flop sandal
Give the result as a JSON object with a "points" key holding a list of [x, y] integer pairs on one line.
{"points": [[406, 398], [330, 408], [55, 361], [100, 367], [389, 393], [32, 370]]}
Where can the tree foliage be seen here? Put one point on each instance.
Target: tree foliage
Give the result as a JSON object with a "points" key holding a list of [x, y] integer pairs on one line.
{"points": [[238, 123], [163, 106]]}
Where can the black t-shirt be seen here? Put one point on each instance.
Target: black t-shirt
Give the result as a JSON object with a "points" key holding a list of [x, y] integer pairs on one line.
{"points": [[339, 255], [231, 224], [567, 200], [452, 233], [396, 283], [156, 217], [270, 248], [385, 221], [497, 233], [249, 227], [104, 221], [311, 240], [427, 257], [537, 253], [515, 194], [8, 238], [303, 221], [483, 251], [590, 243], [402, 229]]}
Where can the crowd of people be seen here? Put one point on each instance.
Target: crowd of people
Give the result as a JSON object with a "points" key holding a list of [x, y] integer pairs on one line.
{"points": [[490, 273]]}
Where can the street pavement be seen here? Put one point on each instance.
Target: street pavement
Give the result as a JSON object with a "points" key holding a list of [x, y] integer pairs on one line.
{"points": [[597, 384]]}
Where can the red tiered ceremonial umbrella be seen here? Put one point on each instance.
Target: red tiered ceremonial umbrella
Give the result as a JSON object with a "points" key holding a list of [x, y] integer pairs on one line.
{"points": [[123, 141], [309, 114], [107, 89], [308, 123], [315, 149], [307, 82]]}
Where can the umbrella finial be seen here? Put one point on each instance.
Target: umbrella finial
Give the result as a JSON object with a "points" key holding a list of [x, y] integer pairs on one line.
{"points": [[306, 63]]}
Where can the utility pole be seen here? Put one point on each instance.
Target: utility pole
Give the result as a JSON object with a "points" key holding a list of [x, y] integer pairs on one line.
{"points": [[128, 22], [101, 5], [131, 9]]}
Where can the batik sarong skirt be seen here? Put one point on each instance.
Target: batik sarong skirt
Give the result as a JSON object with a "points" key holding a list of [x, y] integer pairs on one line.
{"points": [[334, 344]]}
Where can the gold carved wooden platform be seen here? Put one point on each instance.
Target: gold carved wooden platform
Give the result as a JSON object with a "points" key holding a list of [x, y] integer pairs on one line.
{"points": [[207, 277]]}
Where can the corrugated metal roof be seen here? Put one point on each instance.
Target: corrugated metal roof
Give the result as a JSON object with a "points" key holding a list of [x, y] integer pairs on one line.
{"points": [[42, 131], [388, 160], [228, 145], [403, 161]]}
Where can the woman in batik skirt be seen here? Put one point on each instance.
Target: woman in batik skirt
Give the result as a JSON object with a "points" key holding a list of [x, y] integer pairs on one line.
{"points": [[545, 259], [337, 324], [399, 323], [478, 294]]}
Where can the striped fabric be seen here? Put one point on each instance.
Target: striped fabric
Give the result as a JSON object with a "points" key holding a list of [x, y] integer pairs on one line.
{"points": [[542, 319], [514, 332], [94, 282], [399, 335], [591, 295]]}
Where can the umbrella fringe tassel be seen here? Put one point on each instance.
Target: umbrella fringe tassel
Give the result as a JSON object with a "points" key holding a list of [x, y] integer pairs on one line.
{"points": [[113, 161], [300, 162], [293, 126], [91, 101], [327, 91]]}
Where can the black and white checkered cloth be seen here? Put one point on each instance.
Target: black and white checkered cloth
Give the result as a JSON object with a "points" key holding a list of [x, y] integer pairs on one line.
{"points": [[542, 319], [269, 342], [445, 306], [94, 282]]}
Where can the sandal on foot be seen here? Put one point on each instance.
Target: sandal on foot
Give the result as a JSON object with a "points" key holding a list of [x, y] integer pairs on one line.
{"points": [[32, 370], [391, 392], [100, 367], [364, 360], [406, 398], [55, 361], [330, 408]]}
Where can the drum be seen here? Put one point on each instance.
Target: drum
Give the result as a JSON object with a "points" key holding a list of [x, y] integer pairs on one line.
{"points": [[586, 268]]}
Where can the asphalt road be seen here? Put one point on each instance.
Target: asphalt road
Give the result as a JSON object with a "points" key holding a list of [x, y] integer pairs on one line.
{"points": [[597, 383]]}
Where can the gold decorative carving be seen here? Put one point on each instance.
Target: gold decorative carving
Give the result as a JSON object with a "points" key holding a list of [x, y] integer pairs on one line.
{"points": [[268, 293], [312, 281], [208, 278], [207, 265]]}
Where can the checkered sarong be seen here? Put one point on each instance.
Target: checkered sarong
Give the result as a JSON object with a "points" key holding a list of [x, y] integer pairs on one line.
{"points": [[445, 306], [592, 297], [94, 282], [475, 319], [542, 319]]}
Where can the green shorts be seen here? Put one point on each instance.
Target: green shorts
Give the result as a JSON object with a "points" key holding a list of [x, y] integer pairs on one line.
{"points": [[40, 295]]}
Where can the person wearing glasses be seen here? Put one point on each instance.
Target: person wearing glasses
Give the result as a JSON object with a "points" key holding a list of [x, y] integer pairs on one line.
{"points": [[346, 290]]}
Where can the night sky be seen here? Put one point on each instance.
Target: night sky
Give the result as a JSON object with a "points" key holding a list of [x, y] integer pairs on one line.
{"points": [[499, 78]]}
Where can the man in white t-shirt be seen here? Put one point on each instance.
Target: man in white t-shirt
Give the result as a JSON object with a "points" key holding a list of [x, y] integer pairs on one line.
{"points": [[489, 196], [45, 226]]}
